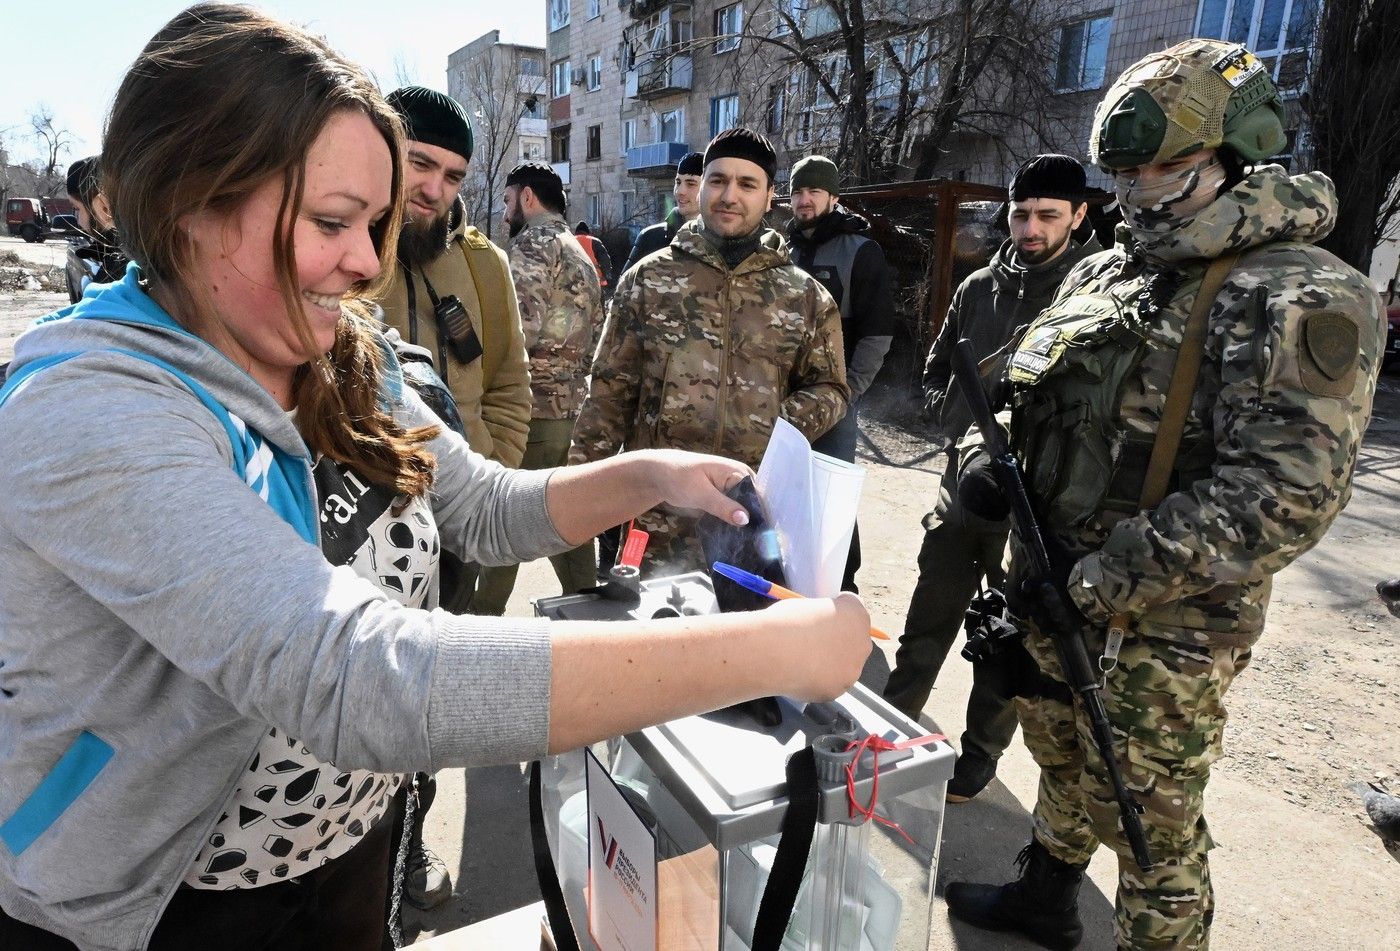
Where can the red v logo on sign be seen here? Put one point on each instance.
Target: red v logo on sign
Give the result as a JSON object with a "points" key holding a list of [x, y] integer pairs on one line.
{"points": [[609, 845]]}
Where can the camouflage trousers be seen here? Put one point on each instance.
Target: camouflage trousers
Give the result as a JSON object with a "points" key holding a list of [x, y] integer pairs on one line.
{"points": [[1165, 702], [673, 545]]}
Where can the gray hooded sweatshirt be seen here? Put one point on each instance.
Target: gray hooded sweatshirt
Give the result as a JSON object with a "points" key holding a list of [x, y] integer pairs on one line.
{"points": [[157, 617]]}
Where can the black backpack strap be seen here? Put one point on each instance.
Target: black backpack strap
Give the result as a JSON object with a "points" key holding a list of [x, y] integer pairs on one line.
{"points": [[790, 864], [553, 894], [412, 306]]}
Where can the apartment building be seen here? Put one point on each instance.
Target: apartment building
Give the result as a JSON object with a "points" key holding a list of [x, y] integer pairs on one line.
{"points": [[504, 90], [635, 84], [1097, 42]]}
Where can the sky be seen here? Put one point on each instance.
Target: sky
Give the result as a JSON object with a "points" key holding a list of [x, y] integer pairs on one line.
{"points": [[75, 72]]}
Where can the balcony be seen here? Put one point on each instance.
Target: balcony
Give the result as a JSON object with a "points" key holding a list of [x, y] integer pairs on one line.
{"points": [[530, 126], [559, 109], [657, 160], [659, 75], [562, 170]]}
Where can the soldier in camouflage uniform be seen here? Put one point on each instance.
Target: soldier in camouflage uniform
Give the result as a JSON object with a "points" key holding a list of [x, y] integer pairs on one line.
{"points": [[712, 339], [561, 309], [1265, 465]]}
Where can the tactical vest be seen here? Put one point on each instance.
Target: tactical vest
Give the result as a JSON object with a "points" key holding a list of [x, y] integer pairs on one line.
{"points": [[832, 263], [1069, 370]]}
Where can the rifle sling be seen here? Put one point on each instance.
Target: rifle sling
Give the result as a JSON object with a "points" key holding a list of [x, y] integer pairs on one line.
{"points": [[1185, 373]]}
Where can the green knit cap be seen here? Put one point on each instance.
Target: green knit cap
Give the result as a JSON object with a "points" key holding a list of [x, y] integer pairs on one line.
{"points": [[816, 171]]}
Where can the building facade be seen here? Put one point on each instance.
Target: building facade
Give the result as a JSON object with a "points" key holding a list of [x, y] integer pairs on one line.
{"points": [[635, 84], [504, 90]]}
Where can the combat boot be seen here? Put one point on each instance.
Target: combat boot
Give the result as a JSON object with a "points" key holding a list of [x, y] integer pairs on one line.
{"points": [[1043, 904]]}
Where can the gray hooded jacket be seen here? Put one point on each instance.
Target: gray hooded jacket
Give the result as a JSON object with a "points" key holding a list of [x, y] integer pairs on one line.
{"points": [[157, 616]]}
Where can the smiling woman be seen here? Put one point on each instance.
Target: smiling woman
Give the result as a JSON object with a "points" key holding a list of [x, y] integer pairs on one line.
{"points": [[220, 648]]}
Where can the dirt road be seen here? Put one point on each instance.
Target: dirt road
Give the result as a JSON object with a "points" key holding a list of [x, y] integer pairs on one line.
{"points": [[1318, 708]]}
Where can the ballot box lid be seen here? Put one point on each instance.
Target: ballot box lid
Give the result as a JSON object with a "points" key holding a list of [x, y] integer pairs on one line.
{"points": [[728, 772]]}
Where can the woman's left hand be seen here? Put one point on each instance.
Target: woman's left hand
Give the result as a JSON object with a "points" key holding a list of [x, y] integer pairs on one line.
{"points": [[693, 482]]}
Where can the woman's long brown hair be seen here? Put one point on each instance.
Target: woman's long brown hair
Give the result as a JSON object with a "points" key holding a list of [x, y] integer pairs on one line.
{"points": [[223, 99]]}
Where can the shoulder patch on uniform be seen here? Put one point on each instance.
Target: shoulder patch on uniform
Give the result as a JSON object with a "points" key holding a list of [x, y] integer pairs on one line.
{"points": [[1329, 353], [475, 239]]}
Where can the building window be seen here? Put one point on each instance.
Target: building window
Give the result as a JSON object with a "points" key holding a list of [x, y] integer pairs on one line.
{"points": [[595, 211], [804, 127], [629, 134], [1279, 32], [595, 9], [559, 144], [670, 126], [558, 13], [595, 143], [729, 23], [530, 66], [1083, 54], [796, 9], [532, 107], [836, 75], [563, 76], [724, 113], [776, 96], [595, 73]]}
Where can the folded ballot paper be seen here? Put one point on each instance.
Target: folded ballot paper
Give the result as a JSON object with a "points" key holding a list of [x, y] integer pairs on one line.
{"points": [[811, 500]]}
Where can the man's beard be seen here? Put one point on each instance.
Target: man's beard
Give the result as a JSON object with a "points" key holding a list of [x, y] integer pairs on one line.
{"points": [[421, 242], [516, 223], [1032, 259]]}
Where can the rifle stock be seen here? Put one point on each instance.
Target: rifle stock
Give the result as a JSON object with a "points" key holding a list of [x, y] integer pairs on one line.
{"points": [[1068, 635]]}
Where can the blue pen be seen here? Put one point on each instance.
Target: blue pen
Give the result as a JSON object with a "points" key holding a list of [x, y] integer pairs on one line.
{"points": [[770, 589]]}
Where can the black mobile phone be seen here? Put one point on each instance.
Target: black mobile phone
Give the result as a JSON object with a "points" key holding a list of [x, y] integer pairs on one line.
{"points": [[752, 547], [461, 335]]}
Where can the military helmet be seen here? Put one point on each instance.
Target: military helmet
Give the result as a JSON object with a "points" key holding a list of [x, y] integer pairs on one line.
{"points": [[1200, 94]]}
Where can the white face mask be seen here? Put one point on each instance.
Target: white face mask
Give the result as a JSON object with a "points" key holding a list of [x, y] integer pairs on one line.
{"points": [[1164, 204]]}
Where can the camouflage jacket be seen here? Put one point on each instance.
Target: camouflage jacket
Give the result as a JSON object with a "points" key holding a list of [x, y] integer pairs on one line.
{"points": [[1284, 395], [492, 392], [696, 356], [561, 309]]}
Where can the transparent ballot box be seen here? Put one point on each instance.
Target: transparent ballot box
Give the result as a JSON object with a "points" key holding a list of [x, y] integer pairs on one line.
{"points": [[712, 791]]}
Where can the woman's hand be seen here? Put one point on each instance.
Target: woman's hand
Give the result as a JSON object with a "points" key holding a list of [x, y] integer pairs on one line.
{"points": [[827, 643], [693, 482]]}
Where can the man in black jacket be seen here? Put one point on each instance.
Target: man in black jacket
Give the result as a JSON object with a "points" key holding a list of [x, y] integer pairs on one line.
{"points": [[686, 191], [959, 549], [829, 243]]}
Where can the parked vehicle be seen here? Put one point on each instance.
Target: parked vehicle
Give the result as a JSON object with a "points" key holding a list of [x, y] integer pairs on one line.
{"points": [[25, 218]]}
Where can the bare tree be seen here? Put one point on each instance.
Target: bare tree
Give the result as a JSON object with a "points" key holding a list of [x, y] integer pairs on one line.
{"points": [[6, 184], [405, 71], [887, 83], [1353, 106], [498, 94], [53, 142]]}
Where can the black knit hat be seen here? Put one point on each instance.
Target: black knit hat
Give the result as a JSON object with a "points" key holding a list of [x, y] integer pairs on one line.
{"points": [[435, 118], [692, 164], [542, 180], [747, 144], [85, 178], [1049, 176]]}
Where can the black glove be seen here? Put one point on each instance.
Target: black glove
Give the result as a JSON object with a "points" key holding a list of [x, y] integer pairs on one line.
{"points": [[979, 492], [1051, 608]]}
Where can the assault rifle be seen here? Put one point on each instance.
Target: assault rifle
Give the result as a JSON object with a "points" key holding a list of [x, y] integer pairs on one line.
{"points": [[1068, 634]]}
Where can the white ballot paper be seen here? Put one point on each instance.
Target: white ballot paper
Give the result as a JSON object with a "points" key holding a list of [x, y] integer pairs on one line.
{"points": [[622, 892], [811, 500]]}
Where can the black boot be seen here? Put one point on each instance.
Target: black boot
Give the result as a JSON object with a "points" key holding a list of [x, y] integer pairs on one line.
{"points": [[1043, 904]]}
